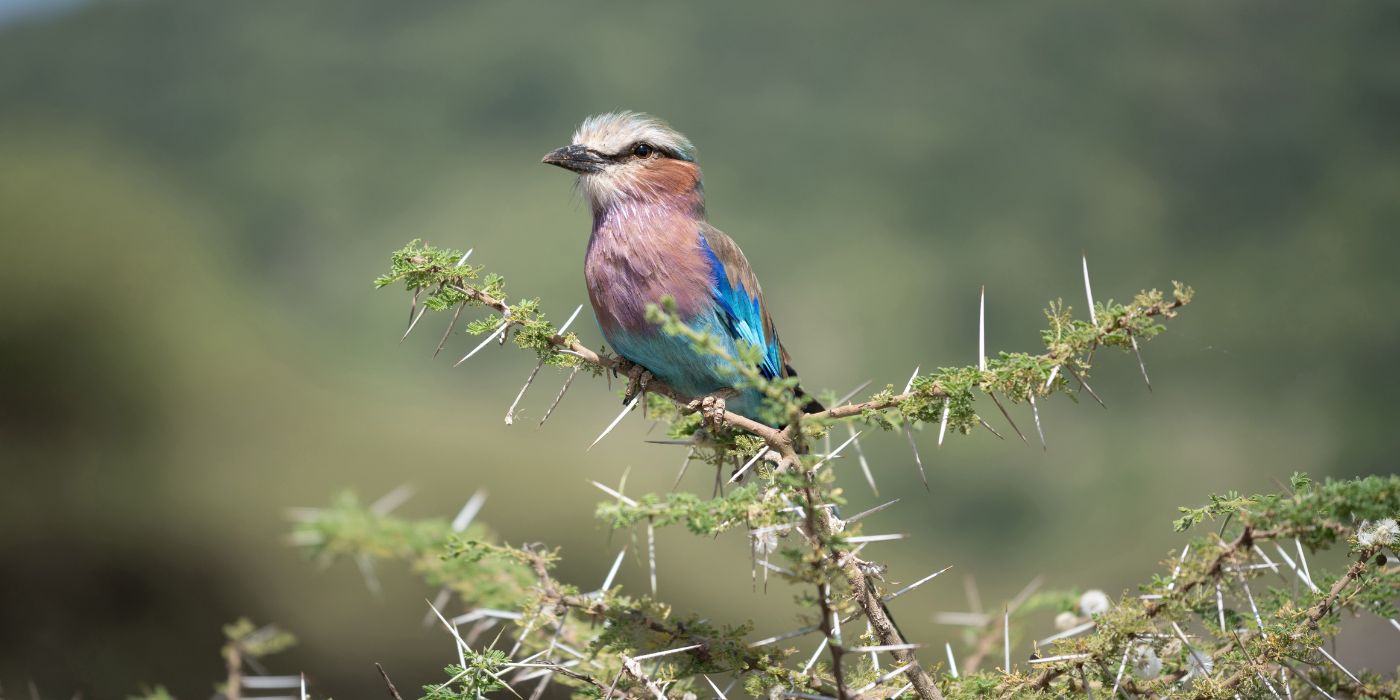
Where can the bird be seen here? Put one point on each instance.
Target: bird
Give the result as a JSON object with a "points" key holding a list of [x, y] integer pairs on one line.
{"points": [[651, 239]]}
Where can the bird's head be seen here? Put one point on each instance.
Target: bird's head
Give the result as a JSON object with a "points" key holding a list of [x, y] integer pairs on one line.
{"points": [[629, 156]]}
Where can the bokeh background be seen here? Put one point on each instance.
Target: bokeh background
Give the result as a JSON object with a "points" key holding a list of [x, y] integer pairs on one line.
{"points": [[195, 196]]}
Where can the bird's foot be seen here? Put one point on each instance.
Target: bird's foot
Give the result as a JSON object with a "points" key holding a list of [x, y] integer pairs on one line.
{"points": [[712, 410], [638, 377]]}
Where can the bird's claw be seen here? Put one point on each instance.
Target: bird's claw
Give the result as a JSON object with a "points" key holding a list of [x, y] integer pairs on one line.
{"points": [[637, 379], [712, 410]]}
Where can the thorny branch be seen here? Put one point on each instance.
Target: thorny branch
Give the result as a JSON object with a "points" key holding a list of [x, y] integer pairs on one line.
{"points": [[944, 397]]}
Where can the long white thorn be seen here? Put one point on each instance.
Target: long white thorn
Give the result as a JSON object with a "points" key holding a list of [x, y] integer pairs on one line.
{"points": [[851, 394], [560, 397], [815, 655], [1220, 605], [1302, 558], [1006, 639], [614, 493], [1117, 678], [1171, 585], [1339, 665], [1141, 365], [416, 319], [915, 584], [651, 554], [499, 329], [1089, 293], [719, 694], [910, 384], [943, 421], [612, 573], [626, 409], [982, 332], [1035, 413], [1007, 415], [389, 501], [787, 635], [668, 652], [864, 465], [1077, 629], [469, 511], [752, 461], [871, 511], [909, 435], [510, 412], [952, 661], [836, 452]]}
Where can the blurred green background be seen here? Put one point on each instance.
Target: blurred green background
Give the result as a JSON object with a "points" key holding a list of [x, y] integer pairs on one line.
{"points": [[194, 197]]}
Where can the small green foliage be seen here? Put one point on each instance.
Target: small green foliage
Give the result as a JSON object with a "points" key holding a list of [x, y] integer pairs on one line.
{"points": [[481, 675], [252, 641], [157, 693]]}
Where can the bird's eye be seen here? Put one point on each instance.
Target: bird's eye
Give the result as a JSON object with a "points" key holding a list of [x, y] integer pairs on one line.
{"points": [[642, 150]]}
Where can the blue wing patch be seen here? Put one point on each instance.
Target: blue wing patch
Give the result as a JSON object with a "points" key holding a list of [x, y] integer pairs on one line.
{"points": [[742, 313]]}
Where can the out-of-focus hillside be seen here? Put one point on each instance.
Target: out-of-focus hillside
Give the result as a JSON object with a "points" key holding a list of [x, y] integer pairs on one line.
{"points": [[194, 198]]}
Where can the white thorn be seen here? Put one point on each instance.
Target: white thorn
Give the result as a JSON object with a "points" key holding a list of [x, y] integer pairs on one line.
{"points": [[1220, 605], [982, 332], [850, 394], [1302, 559], [469, 511], [882, 647], [1089, 293], [565, 328], [787, 635], [718, 693], [909, 434], [876, 538], [864, 465], [1061, 657], [753, 460], [834, 453], [510, 412], [1035, 413], [1339, 665], [504, 324], [1077, 629], [1121, 666], [1141, 365], [1171, 585], [871, 511], [910, 384], [416, 319], [389, 501], [1006, 639], [943, 421], [612, 573], [465, 255], [915, 584], [651, 555], [614, 493], [668, 652], [952, 662], [815, 655], [625, 410]]}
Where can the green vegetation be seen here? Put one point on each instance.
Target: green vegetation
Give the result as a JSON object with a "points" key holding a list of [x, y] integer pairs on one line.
{"points": [[193, 197]]}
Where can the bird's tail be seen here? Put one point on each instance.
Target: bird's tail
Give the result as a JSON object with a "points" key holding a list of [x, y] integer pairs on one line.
{"points": [[812, 405]]}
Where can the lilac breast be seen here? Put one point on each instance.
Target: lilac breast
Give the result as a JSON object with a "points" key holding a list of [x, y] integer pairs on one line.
{"points": [[638, 255]]}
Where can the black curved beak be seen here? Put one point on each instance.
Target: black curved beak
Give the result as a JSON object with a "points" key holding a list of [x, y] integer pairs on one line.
{"points": [[576, 158]]}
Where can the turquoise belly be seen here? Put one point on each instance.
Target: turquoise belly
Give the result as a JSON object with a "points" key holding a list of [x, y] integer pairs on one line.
{"points": [[675, 361]]}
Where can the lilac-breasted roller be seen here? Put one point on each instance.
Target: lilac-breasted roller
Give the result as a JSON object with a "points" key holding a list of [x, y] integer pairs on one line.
{"points": [[651, 240]]}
